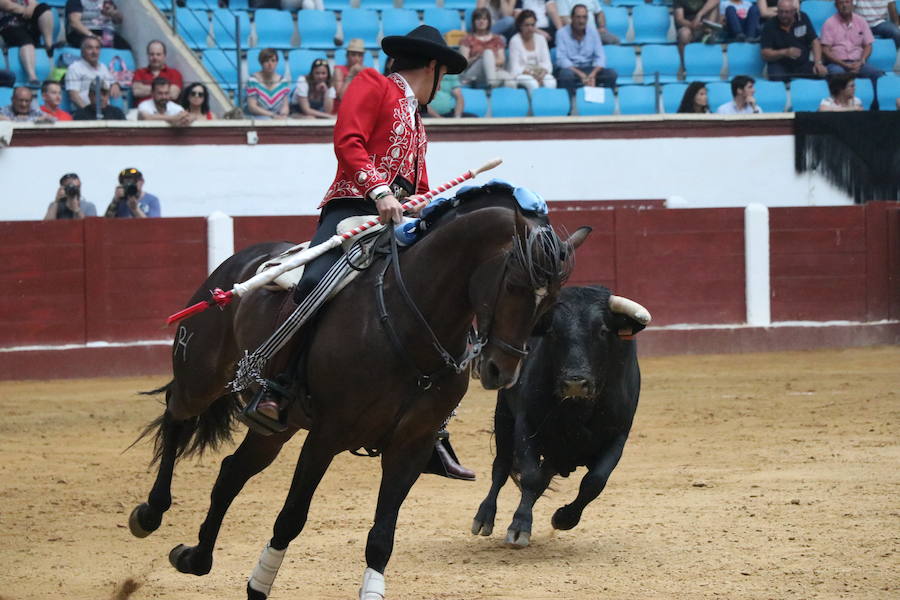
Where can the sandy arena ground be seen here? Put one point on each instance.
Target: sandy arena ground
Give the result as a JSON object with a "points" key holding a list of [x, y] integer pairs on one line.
{"points": [[746, 476]]}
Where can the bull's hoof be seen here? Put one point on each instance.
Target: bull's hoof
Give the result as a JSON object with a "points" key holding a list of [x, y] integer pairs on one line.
{"points": [[144, 520], [565, 518], [187, 560], [518, 539], [484, 528]]}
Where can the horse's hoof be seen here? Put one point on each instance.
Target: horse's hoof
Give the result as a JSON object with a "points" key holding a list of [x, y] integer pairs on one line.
{"points": [[184, 559], [564, 519], [518, 539], [482, 528], [143, 520], [254, 594]]}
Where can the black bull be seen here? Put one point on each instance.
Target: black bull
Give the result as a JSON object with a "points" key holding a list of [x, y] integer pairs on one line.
{"points": [[572, 406]]}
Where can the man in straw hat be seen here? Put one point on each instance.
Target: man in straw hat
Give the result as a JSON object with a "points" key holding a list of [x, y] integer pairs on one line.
{"points": [[380, 143]]}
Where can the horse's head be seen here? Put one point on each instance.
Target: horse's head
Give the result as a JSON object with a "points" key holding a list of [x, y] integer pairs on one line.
{"points": [[512, 290]]}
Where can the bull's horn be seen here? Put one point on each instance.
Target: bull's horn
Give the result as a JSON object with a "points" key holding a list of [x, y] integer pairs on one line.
{"points": [[622, 305]]}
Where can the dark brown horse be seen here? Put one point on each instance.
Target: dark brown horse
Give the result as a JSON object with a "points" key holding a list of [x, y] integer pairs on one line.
{"points": [[484, 259]]}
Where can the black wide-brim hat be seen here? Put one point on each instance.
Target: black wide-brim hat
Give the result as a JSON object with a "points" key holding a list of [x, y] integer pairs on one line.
{"points": [[427, 42]]}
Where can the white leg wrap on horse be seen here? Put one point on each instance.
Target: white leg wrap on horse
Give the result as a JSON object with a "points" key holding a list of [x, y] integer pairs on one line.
{"points": [[372, 586], [266, 569]]}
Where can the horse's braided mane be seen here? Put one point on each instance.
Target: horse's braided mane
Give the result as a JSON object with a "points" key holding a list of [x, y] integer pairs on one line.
{"points": [[540, 259]]}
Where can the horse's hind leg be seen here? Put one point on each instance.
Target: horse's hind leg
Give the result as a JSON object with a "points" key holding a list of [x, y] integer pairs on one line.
{"points": [[254, 454]]}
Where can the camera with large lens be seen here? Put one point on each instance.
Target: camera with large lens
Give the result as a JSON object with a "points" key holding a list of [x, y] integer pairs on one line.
{"points": [[72, 190], [131, 189]]}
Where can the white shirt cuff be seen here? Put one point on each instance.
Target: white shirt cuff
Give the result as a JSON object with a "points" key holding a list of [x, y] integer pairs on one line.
{"points": [[378, 190]]}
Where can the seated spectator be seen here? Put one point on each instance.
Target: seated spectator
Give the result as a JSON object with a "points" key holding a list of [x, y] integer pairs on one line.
{"points": [[159, 108], [486, 53], [22, 25], [695, 99], [545, 15], [741, 20], [691, 21], [842, 98], [51, 94], [742, 100], [502, 15], [100, 18], [881, 17], [107, 112], [69, 203], [195, 100], [268, 92], [82, 73], [786, 42], [847, 42], [156, 67], [21, 109], [314, 95], [580, 60], [564, 8], [344, 74], [130, 200], [448, 100], [529, 55]]}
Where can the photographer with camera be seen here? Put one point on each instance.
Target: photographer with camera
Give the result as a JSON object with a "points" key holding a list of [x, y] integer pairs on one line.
{"points": [[68, 203], [130, 200]]}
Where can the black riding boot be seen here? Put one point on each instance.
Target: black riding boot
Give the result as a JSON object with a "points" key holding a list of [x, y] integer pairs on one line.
{"points": [[443, 460]]}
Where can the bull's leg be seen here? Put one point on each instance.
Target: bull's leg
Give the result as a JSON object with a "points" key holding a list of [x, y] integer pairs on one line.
{"points": [[400, 468], [147, 517], [315, 458], [534, 479], [592, 484], [254, 454], [504, 425]]}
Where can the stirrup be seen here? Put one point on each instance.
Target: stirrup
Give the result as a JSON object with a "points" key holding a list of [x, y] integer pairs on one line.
{"points": [[260, 423]]}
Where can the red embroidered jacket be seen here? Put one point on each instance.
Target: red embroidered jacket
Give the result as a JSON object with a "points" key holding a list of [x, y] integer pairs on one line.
{"points": [[376, 138]]}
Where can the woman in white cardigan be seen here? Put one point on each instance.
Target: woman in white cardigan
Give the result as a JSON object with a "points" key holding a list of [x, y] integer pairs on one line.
{"points": [[529, 56]]}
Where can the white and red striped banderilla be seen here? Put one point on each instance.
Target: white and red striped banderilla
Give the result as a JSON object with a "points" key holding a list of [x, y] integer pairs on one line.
{"points": [[222, 298]]}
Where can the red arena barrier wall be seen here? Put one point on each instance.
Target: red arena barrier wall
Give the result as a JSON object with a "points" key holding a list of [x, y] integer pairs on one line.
{"points": [[253, 230]]}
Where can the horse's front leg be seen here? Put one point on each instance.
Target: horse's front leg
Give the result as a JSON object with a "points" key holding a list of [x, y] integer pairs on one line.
{"points": [[315, 458], [401, 466], [254, 454], [504, 426]]}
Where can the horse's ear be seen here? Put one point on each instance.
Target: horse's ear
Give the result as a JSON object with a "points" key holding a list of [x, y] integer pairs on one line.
{"points": [[577, 238]]}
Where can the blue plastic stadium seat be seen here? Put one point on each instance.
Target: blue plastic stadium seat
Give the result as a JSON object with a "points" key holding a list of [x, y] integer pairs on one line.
{"points": [[617, 20], [224, 28], [888, 91], [634, 3], [419, 4], [672, 93], [42, 65], [818, 13], [6, 95], [637, 100], [662, 59], [338, 5], [201, 4], [623, 60], [301, 60], [864, 92], [274, 28], [222, 67], [317, 28], [508, 102], [361, 23], [377, 4], [442, 19], [475, 101], [806, 94], [107, 54], [399, 21], [771, 95], [460, 4], [549, 102], [193, 27], [651, 24], [884, 55], [585, 108], [243, 5], [745, 59], [718, 93], [340, 58], [703, 62]]}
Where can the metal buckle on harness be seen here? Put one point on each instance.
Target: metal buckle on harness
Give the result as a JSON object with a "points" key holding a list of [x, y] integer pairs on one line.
{"points": [[424, 382]]}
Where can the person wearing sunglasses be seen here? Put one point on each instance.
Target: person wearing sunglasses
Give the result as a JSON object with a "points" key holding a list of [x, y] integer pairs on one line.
{"points": [[69, 203], [195, 101], [314, 95]]}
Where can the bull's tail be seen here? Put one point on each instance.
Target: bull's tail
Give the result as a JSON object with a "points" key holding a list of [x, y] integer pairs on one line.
{"points": [[193, 436]]}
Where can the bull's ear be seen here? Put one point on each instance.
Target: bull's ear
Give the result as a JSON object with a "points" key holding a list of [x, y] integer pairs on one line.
{"points": [[624, 326], [542, 327], [577, 238]]}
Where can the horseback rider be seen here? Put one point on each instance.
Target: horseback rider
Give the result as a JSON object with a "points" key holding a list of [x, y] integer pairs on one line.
{"points": [[380, 144]]}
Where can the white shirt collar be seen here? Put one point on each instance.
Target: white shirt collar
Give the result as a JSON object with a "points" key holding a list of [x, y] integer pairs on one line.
{"points": [[412, 102]]}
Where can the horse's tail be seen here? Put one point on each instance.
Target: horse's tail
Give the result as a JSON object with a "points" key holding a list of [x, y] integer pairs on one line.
{"points": [[197, 434]]}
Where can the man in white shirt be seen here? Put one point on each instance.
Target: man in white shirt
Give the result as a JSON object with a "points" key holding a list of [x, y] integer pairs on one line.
{"points": [[158, 107], [742, 102], [82, 73]]}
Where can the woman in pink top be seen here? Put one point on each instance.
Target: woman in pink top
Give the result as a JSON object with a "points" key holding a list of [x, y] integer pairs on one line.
{"points": [[486, 53]]}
